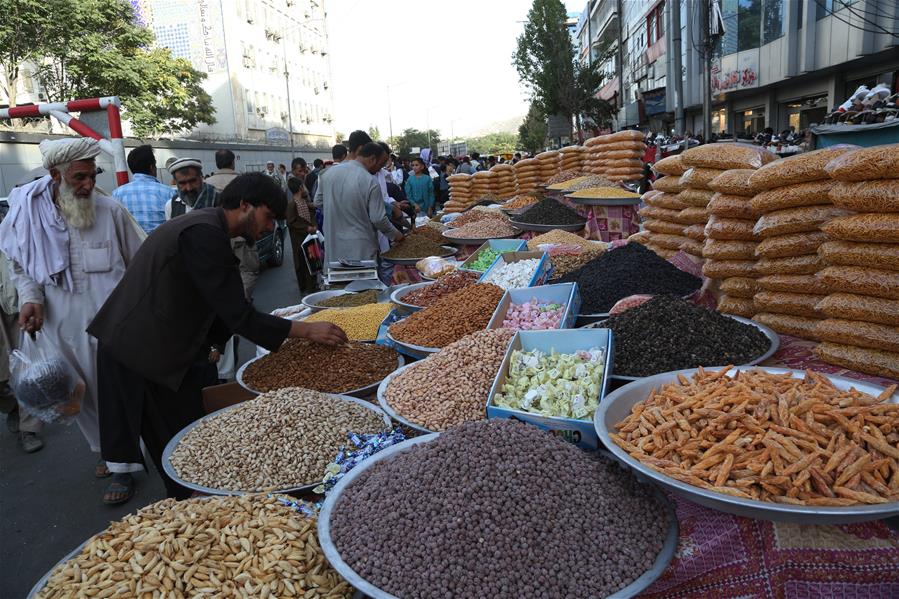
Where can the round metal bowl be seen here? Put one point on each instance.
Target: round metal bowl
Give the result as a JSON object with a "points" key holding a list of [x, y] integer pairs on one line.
{"points": [[416, 351], [449, 251], [397, 297], [772, 336], [604, 201], [545, 228], [40, 584], [617, 405], [382, 401], [361, 392], [173, 443], [313, 300], [476, 241], [358, 582]]}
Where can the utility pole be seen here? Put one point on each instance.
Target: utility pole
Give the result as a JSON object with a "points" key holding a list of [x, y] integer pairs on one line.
{"points": [[389, 113], [704, 16], [677, 67], [619, 8], [289, 107]]}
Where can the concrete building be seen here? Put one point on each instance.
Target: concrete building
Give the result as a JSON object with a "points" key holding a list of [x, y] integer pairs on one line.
{"points": [[266, 61]]}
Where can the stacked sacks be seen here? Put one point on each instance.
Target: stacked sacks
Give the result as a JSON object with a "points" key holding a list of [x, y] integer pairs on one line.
{"points": [[548, 163], [617, 157], [793, 205], [861, 330], [731, 202], [527, 175], [502, 185], [665, 233], [461, 197], [572, 158], [481, 185]]}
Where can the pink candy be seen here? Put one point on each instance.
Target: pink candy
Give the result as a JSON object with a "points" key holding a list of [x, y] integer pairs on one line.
{"points": [[534, 316]]}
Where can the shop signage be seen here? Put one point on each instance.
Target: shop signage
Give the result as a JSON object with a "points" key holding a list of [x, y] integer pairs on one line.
{"points": [[654, 101], [736, 71], [277, 135]]}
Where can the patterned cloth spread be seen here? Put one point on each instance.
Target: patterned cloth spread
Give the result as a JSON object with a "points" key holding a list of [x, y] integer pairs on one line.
{"points": [[145, 199], [798, 353]]}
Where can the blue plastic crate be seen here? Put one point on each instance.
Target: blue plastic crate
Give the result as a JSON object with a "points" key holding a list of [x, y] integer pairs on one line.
{"points": [[560, 293], [508, 245]]}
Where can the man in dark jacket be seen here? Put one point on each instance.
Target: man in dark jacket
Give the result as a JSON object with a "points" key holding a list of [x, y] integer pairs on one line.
{"points": [[180, 297]]}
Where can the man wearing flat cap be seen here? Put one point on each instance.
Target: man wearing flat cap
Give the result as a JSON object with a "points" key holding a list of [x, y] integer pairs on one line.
{"points": [[69, 246]]}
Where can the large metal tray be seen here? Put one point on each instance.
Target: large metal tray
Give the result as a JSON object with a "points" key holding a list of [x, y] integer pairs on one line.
{"points": [[449, 251], [545, 228], [417, 351], [617, 405], [604, 201], [397, 297], [173, 443], [382, 401], [477, 240], [333, 555], [361, 392], [772, 336], [312, 300]]}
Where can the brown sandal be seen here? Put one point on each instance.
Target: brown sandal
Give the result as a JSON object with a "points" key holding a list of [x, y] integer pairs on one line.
{"points": [[101, 470]]}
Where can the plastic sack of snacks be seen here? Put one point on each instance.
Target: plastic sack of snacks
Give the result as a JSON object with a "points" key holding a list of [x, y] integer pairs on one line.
{"points": [[434, 267], [739, 287], [867, 196], [731, 206], [696, 197], [698, 177], [692, 216], [872, 227], [729, 228], [850, 306], [878, 162], [672, 165], [792, 265], [865, 281], [671, 201], [786, 324], [692, 247], [871, 361], [738, 306], [44, 383], [792, 244], [667, 184], [724, 269], [797, 304], [727, 156], [720, 249], [861, 334], [734, 181], [801, 168], [850, 253], [793, 284], [663, 227], [792, 196], [797, 220]]}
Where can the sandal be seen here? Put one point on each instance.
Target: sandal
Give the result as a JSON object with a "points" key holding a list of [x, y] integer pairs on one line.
{"points": [[120, 490], [101, 470]]}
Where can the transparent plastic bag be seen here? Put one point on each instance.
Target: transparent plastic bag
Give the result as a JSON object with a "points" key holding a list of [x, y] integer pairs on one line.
{"points": [[724, 269], [695, 232], [643, 237], [793, 244], [869, 361], [737, 229], [738, 306], [692, 216], [696, 197], [798, 220], [786, 324], [861, 280], [851, 253], [731, 206], [670, 201], [658, 213], [735, 182], [698, 177], [626, 135], [664, 227], [792, 196], [721, 249], [793, 265], [668, 185], [850, 306], [797, 304], [669, 242], [740, 287], [859, 334], [727, 156], [871, 227], [663, 252], [43, 381], [692, 247], [793, 284], [802, 168], [878, 162], [672, 166], [434, 267], [867, 196]]}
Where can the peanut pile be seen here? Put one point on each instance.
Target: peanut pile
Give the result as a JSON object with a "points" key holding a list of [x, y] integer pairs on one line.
{"points": [[303, 363], [248, 546], [451, 386], [279, 440], [450, 318], [425, 296]]}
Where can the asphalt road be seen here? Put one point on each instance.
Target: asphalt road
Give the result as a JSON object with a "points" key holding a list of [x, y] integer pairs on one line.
{"points": [[50, 501]]}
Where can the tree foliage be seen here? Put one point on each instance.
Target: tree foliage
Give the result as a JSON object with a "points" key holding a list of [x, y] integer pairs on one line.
{"points": [[532, 132], [89, 48], [374, 133], [413, 138], [493, 143]]}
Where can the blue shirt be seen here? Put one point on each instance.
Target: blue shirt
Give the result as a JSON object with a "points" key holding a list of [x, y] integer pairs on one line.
{"points": [[145, 199]]}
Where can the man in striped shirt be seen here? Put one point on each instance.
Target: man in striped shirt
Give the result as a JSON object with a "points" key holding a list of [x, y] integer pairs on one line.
{"points": [[144, 196]]}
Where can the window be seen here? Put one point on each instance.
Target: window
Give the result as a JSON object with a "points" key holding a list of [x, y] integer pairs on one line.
{"points": [[822, 8], [729, 41], [651, 28], [655, 24], [749, 15], [773, 21], [719, 120]]}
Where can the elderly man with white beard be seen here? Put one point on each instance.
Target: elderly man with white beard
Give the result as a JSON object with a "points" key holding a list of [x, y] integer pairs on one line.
{"points": [[69, 246]]}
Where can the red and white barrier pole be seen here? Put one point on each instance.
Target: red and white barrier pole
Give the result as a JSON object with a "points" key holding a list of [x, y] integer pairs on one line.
{"points": [[118, 143]]}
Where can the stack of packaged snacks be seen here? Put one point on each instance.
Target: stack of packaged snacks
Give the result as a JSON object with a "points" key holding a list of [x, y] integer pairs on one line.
{"points": [[732, 201], [860, 329], [793, 205], [572, 158], [548, 163], [502, 184], [461, 197], [664, 230], [617, 157], [481, 185], [527, 175]]}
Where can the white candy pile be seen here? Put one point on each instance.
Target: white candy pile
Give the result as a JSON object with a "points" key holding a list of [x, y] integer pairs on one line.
{"points": [[513, 275]]}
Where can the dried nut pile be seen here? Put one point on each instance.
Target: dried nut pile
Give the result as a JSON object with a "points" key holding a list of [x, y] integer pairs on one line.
{"points": [[450, 318], [561, 177], [512, 275], [588, 182], [474, 216], [473, 514], [485, 229], [250, 546], [279, 440], [434, 233], [360, 323], [451, 386], [603, 192], [520, 201], [350, 300], [416, 246], [303, 363], [534, 316], [568, 251], [450, 283]]}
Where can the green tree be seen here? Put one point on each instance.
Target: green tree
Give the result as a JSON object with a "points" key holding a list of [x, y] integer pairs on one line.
{"points": [[23, 34], [88, 48], [532, 132], [413, 138], [374, 133], [493, 143]]}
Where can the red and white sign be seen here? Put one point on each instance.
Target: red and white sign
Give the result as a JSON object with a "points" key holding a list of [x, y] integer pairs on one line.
{"points": [[736, 71]]}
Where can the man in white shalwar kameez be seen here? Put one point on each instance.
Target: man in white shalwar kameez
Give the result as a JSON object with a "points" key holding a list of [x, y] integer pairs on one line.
{"points": [[69, 246]]}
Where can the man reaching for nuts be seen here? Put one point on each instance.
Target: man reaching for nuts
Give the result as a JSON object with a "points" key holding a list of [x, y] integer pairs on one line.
{"points": [[181, 294]]}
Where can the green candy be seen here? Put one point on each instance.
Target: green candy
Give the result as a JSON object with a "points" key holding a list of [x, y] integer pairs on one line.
{"points": [[485, 259]]}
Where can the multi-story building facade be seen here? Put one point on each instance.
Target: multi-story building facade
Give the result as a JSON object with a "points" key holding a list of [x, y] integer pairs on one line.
{"points": [[778, 64], [266, 61]]}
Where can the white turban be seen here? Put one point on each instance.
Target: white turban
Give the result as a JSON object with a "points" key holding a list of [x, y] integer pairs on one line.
{"points": [[62, 151]]}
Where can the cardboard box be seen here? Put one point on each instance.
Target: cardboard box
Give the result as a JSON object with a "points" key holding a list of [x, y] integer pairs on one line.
{"points": [[541, 275], [508, 245], [580, 432], [561, 293]]}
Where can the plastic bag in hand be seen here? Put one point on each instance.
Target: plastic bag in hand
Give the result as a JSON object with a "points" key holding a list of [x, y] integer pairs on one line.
{"points": [[44, 382]]}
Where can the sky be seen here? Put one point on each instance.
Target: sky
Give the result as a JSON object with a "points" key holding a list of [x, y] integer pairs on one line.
{"points": [[447, 66]]}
